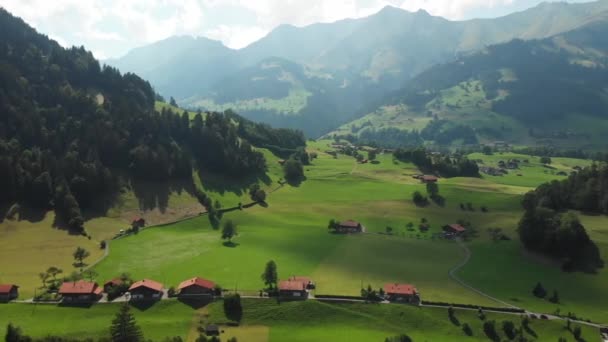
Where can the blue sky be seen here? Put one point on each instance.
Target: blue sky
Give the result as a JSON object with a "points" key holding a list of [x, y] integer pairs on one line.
{"points": [[110, 28]]}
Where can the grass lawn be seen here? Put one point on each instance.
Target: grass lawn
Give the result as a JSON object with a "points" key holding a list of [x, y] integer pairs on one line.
{"points": [[28, 248], [317, 321], [164, 319]]}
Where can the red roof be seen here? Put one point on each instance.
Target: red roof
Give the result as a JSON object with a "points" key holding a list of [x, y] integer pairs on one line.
{"points": [[147, 283], [137, 219], [401, 289], [7, 288], [457, 227], [291, 285], [79, 287], [429, 178], [350, 224], [200, 282], [305, 280]]}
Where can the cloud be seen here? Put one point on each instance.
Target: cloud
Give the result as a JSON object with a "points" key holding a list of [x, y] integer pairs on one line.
{"points": [[112, 27]]}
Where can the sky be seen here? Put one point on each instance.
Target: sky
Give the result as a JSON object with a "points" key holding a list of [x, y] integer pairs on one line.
{"points": [[110, 28]]}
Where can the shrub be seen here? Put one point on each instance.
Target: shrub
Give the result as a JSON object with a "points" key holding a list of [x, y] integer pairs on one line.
{"points": [[466, 328]]}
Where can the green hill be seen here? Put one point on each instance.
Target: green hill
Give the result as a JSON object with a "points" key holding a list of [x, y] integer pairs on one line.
{"points": [[549, 91]]}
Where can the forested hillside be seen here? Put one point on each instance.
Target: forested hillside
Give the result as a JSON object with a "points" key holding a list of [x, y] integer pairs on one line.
{"points": [[521, 91], [73, 132]]}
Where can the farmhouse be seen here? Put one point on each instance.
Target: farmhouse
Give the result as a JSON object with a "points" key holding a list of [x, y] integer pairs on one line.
{"points": [[429, 179], [8, 292], [80, 291], [110, 284], [146, 289], [349, 226], [293, 289], [212, 330], [196, 287], [138, 222], [308, 283], [454, 228], [404, 293]]}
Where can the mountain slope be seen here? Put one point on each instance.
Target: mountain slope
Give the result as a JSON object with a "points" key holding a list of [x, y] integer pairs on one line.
{"points": [[552, 91], [73, 135], [358, 61]]}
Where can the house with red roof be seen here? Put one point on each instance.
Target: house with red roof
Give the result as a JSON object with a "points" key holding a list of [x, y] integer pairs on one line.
{"points": [[138, 222], [292, 289], [404, 293], [429, 179], [8, 292], [146, 289], [454, 229], [196, 287], [80, 291], [349, 226]]}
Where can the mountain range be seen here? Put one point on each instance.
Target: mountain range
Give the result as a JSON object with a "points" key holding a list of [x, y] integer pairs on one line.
{"points": [[317, 77]]}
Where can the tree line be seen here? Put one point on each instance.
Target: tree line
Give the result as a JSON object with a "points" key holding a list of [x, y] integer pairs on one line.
{"points": [[447, 165]]}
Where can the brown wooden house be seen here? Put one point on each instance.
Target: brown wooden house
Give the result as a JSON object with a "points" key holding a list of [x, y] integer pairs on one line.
{"points": [[429, 179], [292, 289], [146, 289], [8, 292], [349, 226], [196, 287], [454, 228], [403, 293], [80, 291]]}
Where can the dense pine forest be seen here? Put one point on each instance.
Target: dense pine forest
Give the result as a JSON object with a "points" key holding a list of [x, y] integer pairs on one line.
{"points": [[72, 130]]}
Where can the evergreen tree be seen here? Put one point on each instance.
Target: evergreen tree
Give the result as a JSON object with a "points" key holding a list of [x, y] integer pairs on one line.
{"points": [[270, 275], [124, 327]]}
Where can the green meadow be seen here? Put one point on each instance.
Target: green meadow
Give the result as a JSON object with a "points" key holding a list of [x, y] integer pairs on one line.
{"points": [[267, 320], [292, 230]]}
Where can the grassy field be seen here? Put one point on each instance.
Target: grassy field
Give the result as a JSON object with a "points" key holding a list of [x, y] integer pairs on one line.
{"points": [[164, 319], [267, 320], [292, 230]]}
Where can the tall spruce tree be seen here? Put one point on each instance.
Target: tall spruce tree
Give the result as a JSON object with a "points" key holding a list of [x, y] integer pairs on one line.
{"points": [[124, 327]]}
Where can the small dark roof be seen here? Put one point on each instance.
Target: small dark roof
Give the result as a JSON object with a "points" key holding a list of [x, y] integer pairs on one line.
{"points": [[212, 328], [350, 224], [7, 288], [457, 227], [137, 219]]}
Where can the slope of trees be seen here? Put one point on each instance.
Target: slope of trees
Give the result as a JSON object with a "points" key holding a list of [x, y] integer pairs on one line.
{"points": [[547, 227], [72, 131], [445, 165]]}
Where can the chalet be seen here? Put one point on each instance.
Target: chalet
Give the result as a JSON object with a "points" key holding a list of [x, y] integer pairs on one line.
{"points": [[138, 222], [404, 293], [454, 228], [429, 179], [293, 289], [281, 161], [8, 292], [196, 287], [349, 226], [212, 330], [80, 291], [146, 289], [308, 283], [109, 285]]}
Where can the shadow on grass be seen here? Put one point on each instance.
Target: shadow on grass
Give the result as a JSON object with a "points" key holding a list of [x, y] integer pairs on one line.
{"points": [[530, 331], [238, 185], [82, 305], [196, 303], [454, 320], [143, 304], [231, 244]]}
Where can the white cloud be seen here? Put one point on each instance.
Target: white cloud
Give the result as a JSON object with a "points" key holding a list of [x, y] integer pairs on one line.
{"points": [[112, 27]]}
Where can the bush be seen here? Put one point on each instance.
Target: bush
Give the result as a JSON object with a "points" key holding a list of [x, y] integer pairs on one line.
{"points": [[102, 244], [466, 328], [171, 292], [489, 328]]}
